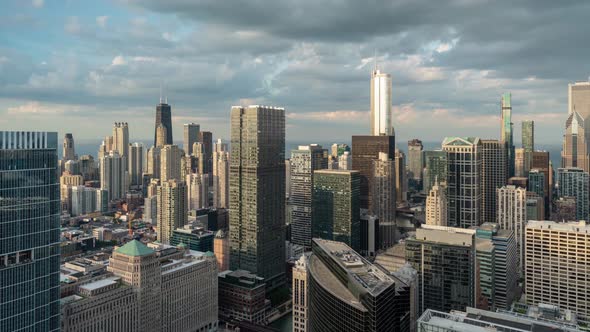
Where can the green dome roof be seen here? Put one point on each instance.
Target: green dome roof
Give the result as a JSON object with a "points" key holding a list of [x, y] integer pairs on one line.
{"points": [[135, 248]]}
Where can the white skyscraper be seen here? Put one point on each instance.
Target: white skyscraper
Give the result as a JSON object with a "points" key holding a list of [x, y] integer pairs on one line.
{"points": [[381, 113], [436, 206], [511, 214], [300, 298], [220, 176], [345, 161], [198, 190], [135, 163], [113, 176]]}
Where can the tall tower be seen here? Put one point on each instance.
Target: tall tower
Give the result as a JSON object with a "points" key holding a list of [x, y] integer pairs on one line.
{"points": [[164, 117], [191, 135], [506, 132], [574, 182], [436, 205], [30, 227], [401, 182], [170, 156], [206, 139], [381, 114], [512, 216], [415, 162], [384, 199], [172, 205], [220, 176], [304, 161], [528, 143], [68, 147], [493, 176], [576, 143], [113, 176], [121, 139], [135, 163], [257, 192], [300, 295]]}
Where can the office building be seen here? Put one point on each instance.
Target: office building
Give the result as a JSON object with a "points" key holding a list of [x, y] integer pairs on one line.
{"points": [[565, 210], [535, 207], [242, 296], [365, 149], [172, 209], [576, 143], [72, 167], [446, 263], [436, 206], [512, 213], [121, 140], [221, 250], [88, 167], [69, 152], [435, 168], [336, 150], [198, 191], [415, 163], [170, 162], [113, 175], [197, 239], [574, 182], [190, 136], [369, 237], [136, 164], [542, 162], [348, 293], [150, 210], [384, 199], [66, 182], [206, 139], [464, 191], [344, 161], [493, 176], [304, 162], [30, 223], [528, 143], [519, 159], [153, 161], [556, 265], [105, 147], [335, 206], [579, 98], [220, 176], [257, 192], [536, 183], [164, 118], [381, 107], [506, 134], [84, 200], [401, 180], [300, 289]]}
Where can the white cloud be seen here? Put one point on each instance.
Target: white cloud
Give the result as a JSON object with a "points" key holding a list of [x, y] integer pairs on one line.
{"points": [[102, 21], [331, 116], [38, 3], [34, 107], [119, 60]]}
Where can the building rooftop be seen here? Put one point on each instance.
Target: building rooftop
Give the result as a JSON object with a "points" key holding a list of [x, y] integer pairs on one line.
{"points": [[335, 171], [94, 285], [134, 248], [458, 141], [573, 226], [445, 235]]}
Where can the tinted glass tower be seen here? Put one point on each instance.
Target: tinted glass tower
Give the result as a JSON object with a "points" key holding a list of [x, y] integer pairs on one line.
{"points": [[164, 117], [29, 231]]}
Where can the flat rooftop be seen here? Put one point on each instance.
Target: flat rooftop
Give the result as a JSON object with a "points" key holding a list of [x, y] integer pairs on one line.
{"points": [[573, 226], [100, 283]]}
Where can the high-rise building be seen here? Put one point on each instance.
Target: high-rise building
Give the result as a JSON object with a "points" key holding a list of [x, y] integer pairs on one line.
{"points": [[88, 168], [365, 149], [30, 224], [221, 250], [384, 199], [415, 162], [66, 182], [304, 161], [336, 150], [198, 191], [435, 168], [576, 143], [381, 107], [557, 256], [161, 134], [401, 181], [347, 292], [446, 263], [436, 206], [498, 269], [536, 184], [512, 215], [344, 161], [519, 161], [257, 192], [242, 296], [528, 143], [164, 118], [542, 162], [579, 98], [191, 136], [113, 175], [153, 161], [464, 192], [493, 176], [335, 206], [220, 177], [172, 205], [121, 139], [206, 139], [150, 210], [535, 207], [69, 153], [565, 210], [301, 295], [170, 157], [574, 182], [83, 200], [136, 164], [507, 136]]}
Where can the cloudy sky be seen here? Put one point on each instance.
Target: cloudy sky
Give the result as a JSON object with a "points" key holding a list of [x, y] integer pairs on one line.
{"points": [[78, 66]]}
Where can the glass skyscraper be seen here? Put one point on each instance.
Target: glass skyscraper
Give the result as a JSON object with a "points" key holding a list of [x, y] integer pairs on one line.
{"points": [[29, 231], [506, 132], [164, 118]]}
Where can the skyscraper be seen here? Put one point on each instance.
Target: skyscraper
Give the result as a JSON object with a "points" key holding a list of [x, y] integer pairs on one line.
{"points": [[435, 167], [519, 162], [401, 181], [220, 176], [301, 295], [579, 99], [335, 207], [574, 182], [493, 176], [170, 156], [304, 161], [121, 139], [30, 227], [257, 192], [344, 161], [512, 214], [68, 147], [365, 149], [415, 163], [136, 164], [381, 115], [436, 206], [164, 117], [191, 135], [172, 208], [198, 190], [542, 162], [384, 199], [506, 133], [153, 161], [464, 192], [161, 135], [528, 143], [113, 176], [206, 139], [576, 143]]}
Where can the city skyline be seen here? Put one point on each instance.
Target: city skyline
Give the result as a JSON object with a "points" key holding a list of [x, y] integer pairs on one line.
{"points": [[72, 62]]}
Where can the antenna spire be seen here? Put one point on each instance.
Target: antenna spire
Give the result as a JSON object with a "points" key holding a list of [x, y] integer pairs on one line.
{"points": [[160, 93]]}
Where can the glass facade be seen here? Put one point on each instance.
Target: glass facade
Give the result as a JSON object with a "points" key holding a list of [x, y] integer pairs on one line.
{"points": [[435, 163], [29, 232]]}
